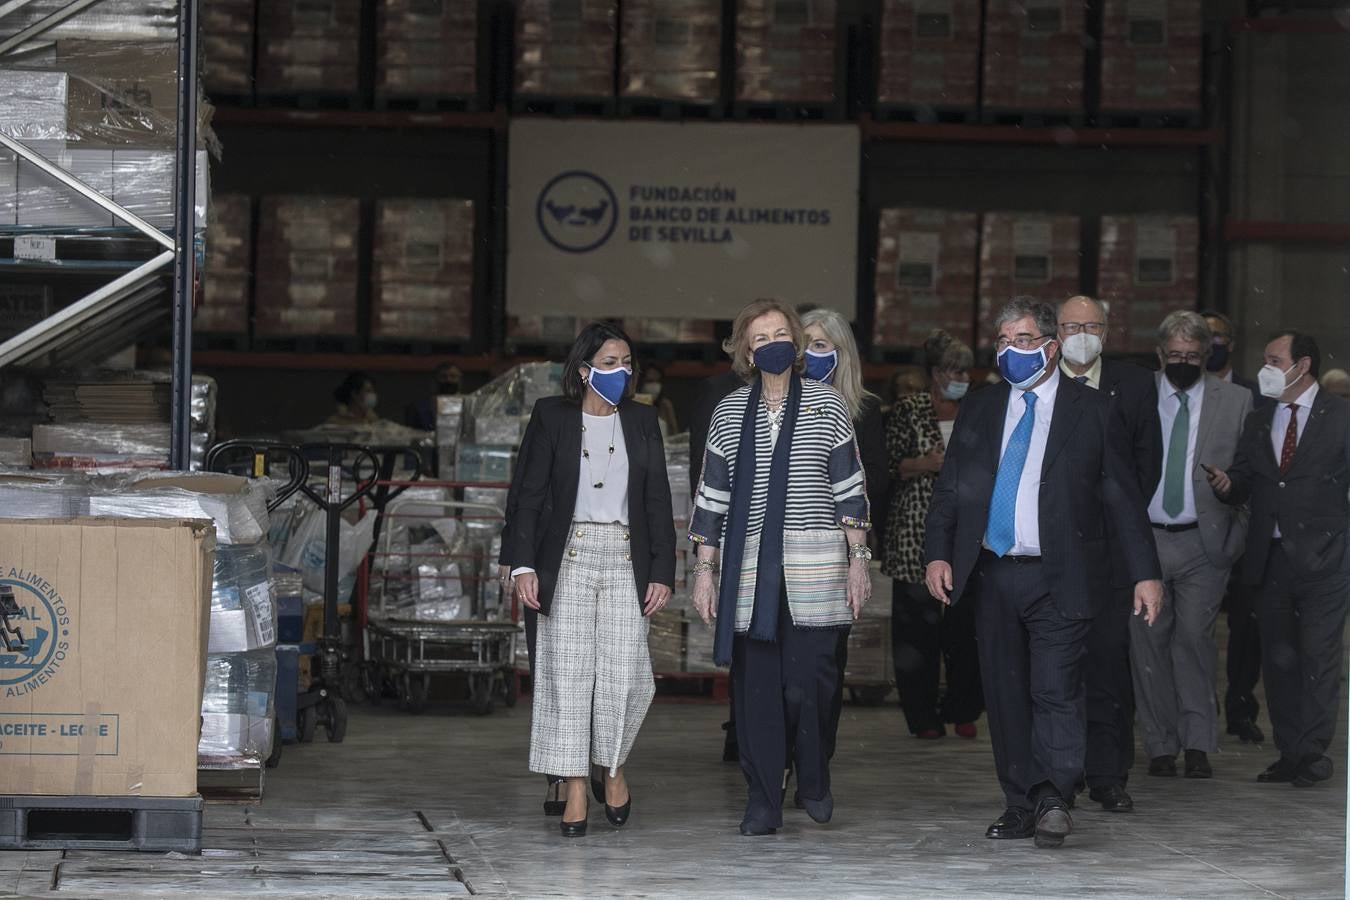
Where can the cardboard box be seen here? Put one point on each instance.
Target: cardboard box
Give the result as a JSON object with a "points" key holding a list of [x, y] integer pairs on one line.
{"points": [[929, 53], [1151, 56], [925, 275], [785, 51], [1147, 267], [1033, 55], [566, 49], [671, 49], [1029, 255], [107, 698]]}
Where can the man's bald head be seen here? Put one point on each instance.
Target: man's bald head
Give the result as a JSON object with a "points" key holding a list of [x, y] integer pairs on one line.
{"points": [[1082, 308]]}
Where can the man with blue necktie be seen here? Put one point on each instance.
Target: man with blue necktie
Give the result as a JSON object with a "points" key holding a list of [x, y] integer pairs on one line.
{"points": [[1018, 525]]}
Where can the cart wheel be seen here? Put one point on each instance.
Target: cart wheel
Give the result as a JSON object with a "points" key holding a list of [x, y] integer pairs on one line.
{"points": [[870, 695], [337, 720], [308, 723], [510, 688], [353, 682], [482, 697], [274, 758]]}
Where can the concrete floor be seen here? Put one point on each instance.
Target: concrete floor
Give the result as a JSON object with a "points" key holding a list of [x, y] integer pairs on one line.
{"points": [[441, 805]]}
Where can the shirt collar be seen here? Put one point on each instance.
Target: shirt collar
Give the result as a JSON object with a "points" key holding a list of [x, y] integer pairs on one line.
{"points": [[1045, 394], [1094, 372], [1307, 397]]}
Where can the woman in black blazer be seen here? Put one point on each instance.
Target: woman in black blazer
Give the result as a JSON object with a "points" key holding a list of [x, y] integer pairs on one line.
{"points": [[593, 551]]}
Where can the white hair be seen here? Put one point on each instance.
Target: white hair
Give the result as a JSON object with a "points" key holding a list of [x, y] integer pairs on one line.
{"points": [[848, 374]]}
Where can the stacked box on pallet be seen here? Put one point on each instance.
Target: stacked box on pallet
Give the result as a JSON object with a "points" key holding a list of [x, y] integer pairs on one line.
{"points": [[309, 46], [426, 49], [671, 50], [785, 51], [1033, 55], [930, 54], [306, 270], [423, 270], [565, 48], [547, 329], [925, 275], [670, 331], [227, 46], [1025, 254], [229, 255], [1147, 267], [1151, 56]]}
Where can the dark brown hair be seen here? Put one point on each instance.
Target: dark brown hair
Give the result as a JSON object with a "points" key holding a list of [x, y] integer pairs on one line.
{"points": [[588, 343]]}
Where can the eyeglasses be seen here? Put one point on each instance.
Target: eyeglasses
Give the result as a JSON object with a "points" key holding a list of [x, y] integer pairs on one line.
{"points": [[1021, 342], [1193, 358], [1096, 328]]}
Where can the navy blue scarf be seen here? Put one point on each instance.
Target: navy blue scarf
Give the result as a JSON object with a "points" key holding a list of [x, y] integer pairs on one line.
{"points": [[769, 574]]}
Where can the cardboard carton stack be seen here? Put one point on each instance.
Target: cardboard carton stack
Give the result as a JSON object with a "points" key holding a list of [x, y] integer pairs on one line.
{"points": [[304, 46], [1151, 56], [229, 255], [306, 272], [227, 46], [670, 331], [925, 275], [426, 49], [1026, 254], [671, 50], [1033, 55], [930, 54], [785, 51], [1147, 267], [565, 48], [423, 270]]}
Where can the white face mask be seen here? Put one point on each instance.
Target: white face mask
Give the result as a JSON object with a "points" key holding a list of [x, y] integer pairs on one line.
{"points": [[370, 400], [1272, 381], [1082, 349]]}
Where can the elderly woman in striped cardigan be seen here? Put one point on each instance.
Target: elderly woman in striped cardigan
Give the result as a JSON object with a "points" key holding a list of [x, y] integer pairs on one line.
{"points": [[784, 499]]}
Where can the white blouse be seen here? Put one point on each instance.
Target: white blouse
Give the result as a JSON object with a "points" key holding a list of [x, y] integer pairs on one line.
{"points": [[609, 501]]}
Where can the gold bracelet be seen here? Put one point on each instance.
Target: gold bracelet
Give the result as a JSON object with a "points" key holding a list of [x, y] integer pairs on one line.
{"points": [[704, 565]]}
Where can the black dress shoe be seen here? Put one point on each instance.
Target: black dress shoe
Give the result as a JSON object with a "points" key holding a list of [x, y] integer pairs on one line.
{"points": [[754, 829], [1281, 771], [1015, 823], [1311, 769], [1247, 731], [1164, 766], [1197, 765], [575, 829], [1053, 823], [554, 803], [618, 815], [1113, 798], [821, 810]]}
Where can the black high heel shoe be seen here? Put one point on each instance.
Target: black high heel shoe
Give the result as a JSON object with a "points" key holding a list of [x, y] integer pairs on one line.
{"points": [[618, 815], [554, 802], [575, 829], [598, 783]]}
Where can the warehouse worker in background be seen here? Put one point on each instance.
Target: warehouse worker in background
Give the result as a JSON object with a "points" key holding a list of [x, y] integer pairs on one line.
{"points": [[356, 401], [1337, 381], [422, 413], [1132, 397]]}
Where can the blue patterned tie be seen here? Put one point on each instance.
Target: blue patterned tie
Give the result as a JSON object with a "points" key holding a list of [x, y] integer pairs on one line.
{"points": [[1001, 533]]}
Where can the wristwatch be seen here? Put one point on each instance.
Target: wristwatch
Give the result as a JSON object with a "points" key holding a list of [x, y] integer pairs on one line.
{"points": [[860, 551]]}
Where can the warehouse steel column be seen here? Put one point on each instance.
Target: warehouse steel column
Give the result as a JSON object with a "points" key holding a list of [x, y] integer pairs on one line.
{"points": [[185, 262]]}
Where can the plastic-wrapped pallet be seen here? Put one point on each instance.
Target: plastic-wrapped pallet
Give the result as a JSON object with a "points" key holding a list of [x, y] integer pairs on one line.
{"points": [[306, 267], [925, 275], [505, 403], [97, 446], [426, 49], [1147, 267], [1029, 254], [1033, 55], [226, 275], [238, 506], [306, 46], [671, 50], [677, 472], [110, 20], [423, 270], [30, 495], [565, 48], [930, 55], [243, 599], [1151, 56], [16, 453], [237, 709], [449, 426], [786, 51]]}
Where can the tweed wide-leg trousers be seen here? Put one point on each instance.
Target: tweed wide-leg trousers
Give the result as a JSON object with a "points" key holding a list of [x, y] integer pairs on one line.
{"points": [[593, 678]]}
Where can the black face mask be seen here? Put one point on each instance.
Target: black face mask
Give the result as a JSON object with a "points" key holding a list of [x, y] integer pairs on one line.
{"points": [[1182, 375], [1218, 357], [448, 388]]}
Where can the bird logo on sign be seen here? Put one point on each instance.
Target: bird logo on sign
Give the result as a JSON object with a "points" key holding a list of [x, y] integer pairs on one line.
{"points": [[577, 212]]}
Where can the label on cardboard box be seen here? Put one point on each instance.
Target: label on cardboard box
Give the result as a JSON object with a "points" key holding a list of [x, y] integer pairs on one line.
{"points": [[58, 734], [918, 260], [1155, 254], [1032, 243], [259, 598], [32, 246]]}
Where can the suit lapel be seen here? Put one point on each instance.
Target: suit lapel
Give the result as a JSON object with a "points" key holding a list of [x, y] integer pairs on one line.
{"points": [[569, 454], [633, 445], [1209, 414], [1064, 419], [1313, 426], [997, 415]]}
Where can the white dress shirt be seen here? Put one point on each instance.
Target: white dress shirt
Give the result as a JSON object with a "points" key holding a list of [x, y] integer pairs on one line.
{"points": [[1027, 523], [1280, 424], [1168, 407]]}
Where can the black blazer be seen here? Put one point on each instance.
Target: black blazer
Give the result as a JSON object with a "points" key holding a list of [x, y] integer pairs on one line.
{"points": [[1308, 501], [1086, 481], [545, 488], [1133, 395], [871, 431]]}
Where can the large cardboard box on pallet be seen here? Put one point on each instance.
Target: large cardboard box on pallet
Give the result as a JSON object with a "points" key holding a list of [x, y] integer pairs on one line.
{"points": [[106, 698]]}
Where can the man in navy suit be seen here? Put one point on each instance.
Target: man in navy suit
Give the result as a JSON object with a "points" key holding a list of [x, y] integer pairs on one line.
{"points": [[1018, 525]]}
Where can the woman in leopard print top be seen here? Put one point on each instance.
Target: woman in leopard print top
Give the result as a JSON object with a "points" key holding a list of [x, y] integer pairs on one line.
{"points": [[923, 633]]}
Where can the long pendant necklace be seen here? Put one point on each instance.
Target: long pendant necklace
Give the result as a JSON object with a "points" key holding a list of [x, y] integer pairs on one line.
{"points": [[587, 453]]}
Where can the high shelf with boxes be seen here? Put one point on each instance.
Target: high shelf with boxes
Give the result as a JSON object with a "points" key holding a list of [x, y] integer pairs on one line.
{"points": [[564, 56], [670, 58], [788, 59], [929, 61]]}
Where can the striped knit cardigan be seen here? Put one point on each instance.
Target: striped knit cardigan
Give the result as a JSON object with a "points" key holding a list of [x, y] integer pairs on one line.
{"points": [[826, 491]]}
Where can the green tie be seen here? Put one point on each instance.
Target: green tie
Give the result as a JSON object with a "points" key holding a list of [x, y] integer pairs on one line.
{"points": [[1174, 482]]}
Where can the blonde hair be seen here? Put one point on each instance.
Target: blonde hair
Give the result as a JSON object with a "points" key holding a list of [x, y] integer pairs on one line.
{"points": [[738, 345], [848, 374]]}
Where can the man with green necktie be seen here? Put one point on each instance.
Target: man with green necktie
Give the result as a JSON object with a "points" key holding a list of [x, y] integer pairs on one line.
{"points": [[1198, 538]]}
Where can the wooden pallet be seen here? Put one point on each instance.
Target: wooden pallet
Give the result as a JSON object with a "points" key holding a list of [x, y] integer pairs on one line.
{"points": [[653, 108], [928, 115], [564, 106]]}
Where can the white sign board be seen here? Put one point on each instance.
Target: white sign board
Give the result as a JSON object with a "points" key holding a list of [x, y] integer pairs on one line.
{"points": [[651, 219]]}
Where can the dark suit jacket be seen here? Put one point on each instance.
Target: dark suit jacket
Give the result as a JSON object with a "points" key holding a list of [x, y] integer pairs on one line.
{"points": [[545, 486], [871, 432], [1133, 395], [1086, 481], [700, 419], [1308, 501]]}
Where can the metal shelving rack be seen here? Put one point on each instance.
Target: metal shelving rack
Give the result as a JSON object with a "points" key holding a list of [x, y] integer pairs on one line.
{"points": [[125, 307]]}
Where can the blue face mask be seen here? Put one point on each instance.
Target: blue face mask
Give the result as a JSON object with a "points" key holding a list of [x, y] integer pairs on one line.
{"points": [[955, 390], [609, 383], [777, 357], [1021, 368], [1218, 357], [821, 366]]}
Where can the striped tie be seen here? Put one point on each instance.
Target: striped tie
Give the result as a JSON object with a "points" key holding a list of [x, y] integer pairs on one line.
{"points": [[1001, 533]]}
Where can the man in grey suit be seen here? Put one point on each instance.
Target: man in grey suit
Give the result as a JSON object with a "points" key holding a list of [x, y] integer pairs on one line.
{"points": [[1293, 466], [1198, 537]]}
